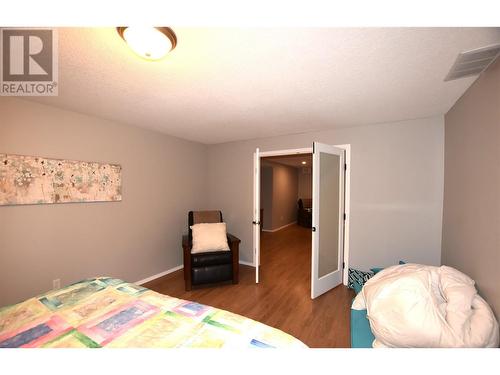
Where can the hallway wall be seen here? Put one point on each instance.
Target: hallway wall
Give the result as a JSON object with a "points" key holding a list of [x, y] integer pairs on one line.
{"points": [[305, 182], [279, 194]]}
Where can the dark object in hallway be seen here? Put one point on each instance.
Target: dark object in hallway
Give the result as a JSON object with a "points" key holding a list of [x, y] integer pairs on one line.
{"points": [[282, 299], [304, 213], [210, 267]]}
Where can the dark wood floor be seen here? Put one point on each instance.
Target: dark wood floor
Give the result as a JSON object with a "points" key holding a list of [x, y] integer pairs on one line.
{"points": [[282, 298]]}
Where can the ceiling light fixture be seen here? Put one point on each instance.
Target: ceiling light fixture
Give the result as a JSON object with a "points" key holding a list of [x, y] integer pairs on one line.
{"points": [[151, 43], [304, 163]]}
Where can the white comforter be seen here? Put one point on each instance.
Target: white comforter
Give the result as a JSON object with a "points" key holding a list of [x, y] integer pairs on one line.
{"points": [[412, 305]]}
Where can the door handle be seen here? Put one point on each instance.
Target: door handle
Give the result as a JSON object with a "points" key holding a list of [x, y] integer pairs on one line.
{"points": [[313, 229]]}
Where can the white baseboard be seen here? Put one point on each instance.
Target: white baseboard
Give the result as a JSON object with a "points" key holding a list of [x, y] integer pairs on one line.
{"points": [[158, 275], [280, 228], [161, 274]]}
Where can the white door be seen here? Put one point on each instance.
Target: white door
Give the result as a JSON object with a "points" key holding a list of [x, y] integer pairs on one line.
{"points": [[256, 212], [327, 218]]}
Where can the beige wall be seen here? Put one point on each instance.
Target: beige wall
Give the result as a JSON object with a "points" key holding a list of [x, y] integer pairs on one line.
{"points": [[284, 192], [396, 196], [163, 178], [471, 218], [396, 188], [305, 183]]}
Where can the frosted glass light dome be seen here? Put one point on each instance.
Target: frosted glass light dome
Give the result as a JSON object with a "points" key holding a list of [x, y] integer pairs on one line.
{"points": [[151, 43]]}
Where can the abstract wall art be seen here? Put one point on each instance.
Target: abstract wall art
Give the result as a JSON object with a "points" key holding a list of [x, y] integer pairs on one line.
{"points": [[38, 180]]}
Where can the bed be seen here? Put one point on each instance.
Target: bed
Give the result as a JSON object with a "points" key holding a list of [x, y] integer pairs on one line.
{"points": [[108, 312], [420, 306]]}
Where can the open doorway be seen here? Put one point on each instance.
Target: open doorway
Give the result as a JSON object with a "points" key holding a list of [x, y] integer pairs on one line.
{"points": [[286, 216], [325, 225]]}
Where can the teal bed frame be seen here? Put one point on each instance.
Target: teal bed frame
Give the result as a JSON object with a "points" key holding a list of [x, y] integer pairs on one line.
{"points": [[361, 333]]}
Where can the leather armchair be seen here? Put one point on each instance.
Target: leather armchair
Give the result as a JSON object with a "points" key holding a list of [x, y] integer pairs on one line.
{"points": [[209, 267]]}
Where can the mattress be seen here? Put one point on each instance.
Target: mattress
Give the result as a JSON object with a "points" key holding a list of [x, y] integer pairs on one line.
{"points": [[108, 312]]}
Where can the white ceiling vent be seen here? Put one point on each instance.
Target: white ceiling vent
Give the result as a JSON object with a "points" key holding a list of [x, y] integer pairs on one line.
{"points": [[473, 62]]}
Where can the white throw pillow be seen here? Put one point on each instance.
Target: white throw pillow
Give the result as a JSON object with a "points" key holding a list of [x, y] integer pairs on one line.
{"points": [[208, 237]]}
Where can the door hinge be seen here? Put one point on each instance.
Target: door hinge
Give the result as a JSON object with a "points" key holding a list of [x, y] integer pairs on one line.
{"points": [[313, 229], [345, 216], [256, 222], [343, 265], [345, 166]]}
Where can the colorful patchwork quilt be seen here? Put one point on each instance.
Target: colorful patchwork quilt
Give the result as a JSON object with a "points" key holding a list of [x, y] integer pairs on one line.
{"points": [[107, 312]]}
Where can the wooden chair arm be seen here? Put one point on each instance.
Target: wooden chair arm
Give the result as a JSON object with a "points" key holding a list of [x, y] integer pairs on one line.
{"points": [[186, 249], [234, 245], [186, 242], [232, 239]]}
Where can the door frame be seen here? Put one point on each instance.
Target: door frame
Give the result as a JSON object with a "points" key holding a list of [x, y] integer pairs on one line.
{"points": [[347, 194]]}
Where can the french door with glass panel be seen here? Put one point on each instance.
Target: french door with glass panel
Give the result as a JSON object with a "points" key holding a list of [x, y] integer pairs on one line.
{"points": [[327, 218]]}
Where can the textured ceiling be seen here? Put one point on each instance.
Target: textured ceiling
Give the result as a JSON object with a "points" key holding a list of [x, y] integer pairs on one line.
{"points": [[225, 84]]}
